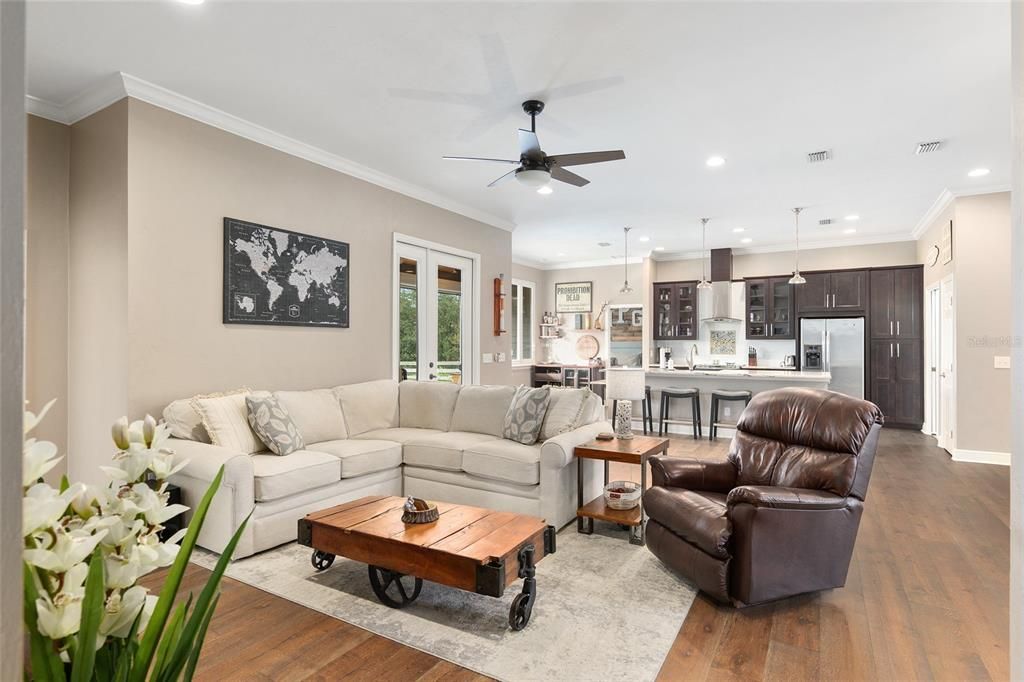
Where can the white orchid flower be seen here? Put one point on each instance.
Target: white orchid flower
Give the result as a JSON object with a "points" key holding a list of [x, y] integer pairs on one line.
{"points": [[61, 615], [70, 548], [121, 610], [38, 457], [152, 505], [89, 501], [32, 420], [163, 466], [147, 611], [119, 431], [121, 571], [42, 506]]}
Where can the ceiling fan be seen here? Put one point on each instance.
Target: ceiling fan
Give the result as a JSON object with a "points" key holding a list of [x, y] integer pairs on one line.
{"points": [[535, 168]]}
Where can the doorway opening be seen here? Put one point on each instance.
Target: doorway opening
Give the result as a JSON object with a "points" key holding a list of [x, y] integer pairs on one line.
{"points": [[435, 329]]}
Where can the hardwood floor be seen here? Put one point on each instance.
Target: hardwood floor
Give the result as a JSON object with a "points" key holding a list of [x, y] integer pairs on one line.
{"points": [[926, 598]]}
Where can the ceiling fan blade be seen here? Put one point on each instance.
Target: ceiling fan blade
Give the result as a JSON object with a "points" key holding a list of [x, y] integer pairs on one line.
{"points": [[559, 173], [586, 157], [529, 145], [503, 177], [477, 158]]}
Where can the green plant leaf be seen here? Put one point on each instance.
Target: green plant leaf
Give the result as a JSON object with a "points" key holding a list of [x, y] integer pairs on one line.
{"points": [[170, 638], [64, 483], [46, 663], [204, 604], [92, 613], [147, 646], [197, 647]]}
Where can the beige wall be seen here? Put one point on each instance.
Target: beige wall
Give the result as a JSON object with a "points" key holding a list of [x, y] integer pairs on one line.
{"points": [[149, 190], [981, 234], [46, 300], [101, 315], [781, 262]]}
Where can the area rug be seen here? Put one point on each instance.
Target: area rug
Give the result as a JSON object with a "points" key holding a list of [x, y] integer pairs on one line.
{"points": [[606, 610]]}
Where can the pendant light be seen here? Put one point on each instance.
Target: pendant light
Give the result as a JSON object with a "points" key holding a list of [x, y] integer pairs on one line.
{"points": [[703, 283], [626, 289], [797, 278]]}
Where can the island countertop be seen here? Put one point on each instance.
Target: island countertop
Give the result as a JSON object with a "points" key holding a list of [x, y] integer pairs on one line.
{"points": [[798, 376]]}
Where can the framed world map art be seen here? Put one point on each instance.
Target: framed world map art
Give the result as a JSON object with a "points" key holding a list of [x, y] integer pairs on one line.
{"points": [[279, 277]]}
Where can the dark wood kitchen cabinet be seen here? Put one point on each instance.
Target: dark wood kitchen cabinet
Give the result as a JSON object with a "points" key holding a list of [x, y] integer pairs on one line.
{"points": [[896, 371], [770, 308], [675, 311], [842, 291], [897, 303]]}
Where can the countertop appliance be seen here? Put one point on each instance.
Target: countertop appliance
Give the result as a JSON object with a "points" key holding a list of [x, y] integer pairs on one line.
{"points": [[835, 345], [789, 361]]}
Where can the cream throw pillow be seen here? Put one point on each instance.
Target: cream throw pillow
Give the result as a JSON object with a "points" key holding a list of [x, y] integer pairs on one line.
{"points": [[226, 419], [565, 411], [183, 420]]}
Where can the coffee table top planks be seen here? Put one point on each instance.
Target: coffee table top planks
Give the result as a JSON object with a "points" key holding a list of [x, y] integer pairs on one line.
{"points": [[630, 451], [471, 548]]}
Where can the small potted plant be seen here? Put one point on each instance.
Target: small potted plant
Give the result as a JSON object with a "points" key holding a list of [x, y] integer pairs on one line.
{"points": [[86, 547]]}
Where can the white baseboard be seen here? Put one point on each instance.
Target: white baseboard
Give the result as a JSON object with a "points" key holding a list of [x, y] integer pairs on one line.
{"points": [[981, 457]]}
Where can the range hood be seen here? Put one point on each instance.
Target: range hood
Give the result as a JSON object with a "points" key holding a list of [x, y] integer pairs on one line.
{"points": [[722, 307]]}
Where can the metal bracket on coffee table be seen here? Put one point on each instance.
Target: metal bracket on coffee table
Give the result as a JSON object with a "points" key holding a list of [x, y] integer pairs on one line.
{"points": [[490, 578], [522, 605], [305, 533]]}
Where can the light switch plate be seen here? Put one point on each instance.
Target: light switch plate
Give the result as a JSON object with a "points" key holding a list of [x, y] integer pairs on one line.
{"points": [[488, 358], [499, 357], [1001, 362]]}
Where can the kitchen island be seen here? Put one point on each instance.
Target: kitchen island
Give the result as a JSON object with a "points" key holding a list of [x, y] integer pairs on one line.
{"points": [[707, 380]]}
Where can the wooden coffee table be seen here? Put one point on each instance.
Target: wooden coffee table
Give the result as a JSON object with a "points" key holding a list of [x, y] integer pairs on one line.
{"points": [[470, 548], [633, 451]]}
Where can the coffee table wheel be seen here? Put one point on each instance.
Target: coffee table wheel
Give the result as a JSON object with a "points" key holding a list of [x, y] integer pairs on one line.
{"points": [[519, 614], [394, 589], [321, 560]]}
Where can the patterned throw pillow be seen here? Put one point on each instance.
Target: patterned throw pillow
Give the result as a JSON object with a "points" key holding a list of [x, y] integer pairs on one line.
{"points": [[525, 415], [272, 423]]}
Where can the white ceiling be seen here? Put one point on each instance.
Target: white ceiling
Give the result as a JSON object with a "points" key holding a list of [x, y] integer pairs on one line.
{"points": [[395, 86]]}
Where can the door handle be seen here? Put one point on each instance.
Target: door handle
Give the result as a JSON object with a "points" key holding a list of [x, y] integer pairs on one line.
{"points": [[897, 327], [890, 327], [890, 350], [433, 376], [833, 300], [897, 350]]}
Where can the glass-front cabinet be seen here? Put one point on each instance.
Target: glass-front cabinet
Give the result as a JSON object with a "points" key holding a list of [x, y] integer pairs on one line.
{"points": [[770, 308], [675, 311]]}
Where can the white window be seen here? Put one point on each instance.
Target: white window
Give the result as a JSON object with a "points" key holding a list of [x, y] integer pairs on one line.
{"points": [[521, 317]]}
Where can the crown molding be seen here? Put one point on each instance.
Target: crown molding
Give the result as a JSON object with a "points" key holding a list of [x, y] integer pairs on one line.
{"points": [[120, 85], [946, 197], [572, 265]]}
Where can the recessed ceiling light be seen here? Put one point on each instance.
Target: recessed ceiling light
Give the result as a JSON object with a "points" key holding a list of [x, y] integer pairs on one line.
{"points": [[715, 161], [604, 244], [645, 239], [191, 2], [545, 190], [659, 248], [746, 240], [559, 254], [853, 217], [850, 230], [978, 172], [737, 229]]}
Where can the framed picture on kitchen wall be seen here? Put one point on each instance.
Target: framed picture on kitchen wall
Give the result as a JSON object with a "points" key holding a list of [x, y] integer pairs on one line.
{"points": [[574, 297]]}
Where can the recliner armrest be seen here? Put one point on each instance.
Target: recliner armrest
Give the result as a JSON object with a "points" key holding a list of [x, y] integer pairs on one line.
{"points": [[718, 476], [784, 498]]}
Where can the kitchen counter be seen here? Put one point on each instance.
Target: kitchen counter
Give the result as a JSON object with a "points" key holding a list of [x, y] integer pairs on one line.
{"points": [[772, 375]]}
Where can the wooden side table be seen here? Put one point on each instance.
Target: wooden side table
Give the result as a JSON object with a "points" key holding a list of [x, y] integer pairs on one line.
{"points": [[634, 451]]}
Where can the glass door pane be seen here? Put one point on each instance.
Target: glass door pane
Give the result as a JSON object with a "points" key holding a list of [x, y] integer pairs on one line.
{"points": [[514, 333], [449, 324], [408, 319]]}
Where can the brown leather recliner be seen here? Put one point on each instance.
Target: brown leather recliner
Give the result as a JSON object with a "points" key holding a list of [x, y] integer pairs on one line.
{"points": [[779, 517]]}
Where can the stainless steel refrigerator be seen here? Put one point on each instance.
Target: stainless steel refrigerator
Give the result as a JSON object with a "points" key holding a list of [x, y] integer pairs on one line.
{"points": [[835, 345]]}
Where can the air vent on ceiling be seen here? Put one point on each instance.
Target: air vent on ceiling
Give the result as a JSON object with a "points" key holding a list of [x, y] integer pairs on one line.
{"points": [[604, 243], [926, 147], [825, 221], [819, 156]]}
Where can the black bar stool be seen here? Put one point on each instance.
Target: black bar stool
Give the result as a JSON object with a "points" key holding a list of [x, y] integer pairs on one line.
{"points": [[721, 394], [645, 406], [691, 394]]}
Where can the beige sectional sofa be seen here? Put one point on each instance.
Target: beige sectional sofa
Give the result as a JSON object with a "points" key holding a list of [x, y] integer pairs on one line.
{"points": [[431, 440]]}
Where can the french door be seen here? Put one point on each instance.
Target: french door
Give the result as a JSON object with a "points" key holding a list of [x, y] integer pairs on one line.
{"points": [[434, 322]]}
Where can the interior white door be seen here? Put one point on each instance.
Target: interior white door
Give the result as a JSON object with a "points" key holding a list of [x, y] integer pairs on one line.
{"points": [[933, 341], [434, 315], [947, 368]]}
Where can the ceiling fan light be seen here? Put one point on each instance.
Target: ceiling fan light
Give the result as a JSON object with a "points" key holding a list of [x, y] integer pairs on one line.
{"points": [[533, 177], [703, 284], [545, 189]]}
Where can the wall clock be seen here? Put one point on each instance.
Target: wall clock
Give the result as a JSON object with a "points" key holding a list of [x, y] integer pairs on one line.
{"points": [[587, 347]]}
